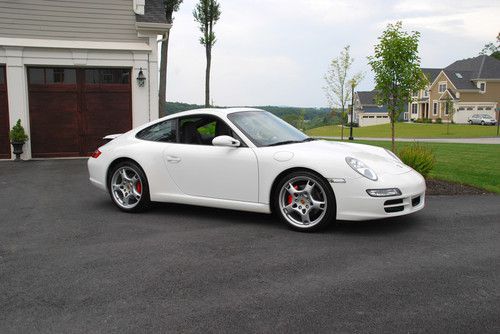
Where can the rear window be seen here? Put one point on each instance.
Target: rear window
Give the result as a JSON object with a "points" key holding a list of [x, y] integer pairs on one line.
{"points": [[163, 132]]}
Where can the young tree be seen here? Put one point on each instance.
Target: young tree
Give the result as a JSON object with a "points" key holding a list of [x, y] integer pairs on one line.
{"points": [[207, 13], [338, 84], [448, 105], [491, 49], [396, 65], [171, 6]]}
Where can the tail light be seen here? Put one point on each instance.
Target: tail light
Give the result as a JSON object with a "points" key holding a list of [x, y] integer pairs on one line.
{"points": [[96, 154]]}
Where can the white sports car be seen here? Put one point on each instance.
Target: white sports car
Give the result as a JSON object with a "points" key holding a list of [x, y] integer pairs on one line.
{"points": [[248, 159]]}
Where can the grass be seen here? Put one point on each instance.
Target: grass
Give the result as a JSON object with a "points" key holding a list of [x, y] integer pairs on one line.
{"points": [[472, 164], [410, 130]]}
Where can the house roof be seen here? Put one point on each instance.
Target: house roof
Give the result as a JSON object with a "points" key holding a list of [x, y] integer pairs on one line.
{"points": [[154, 12], [431, 73], [480, 67], [367, 98], [461, 79]]}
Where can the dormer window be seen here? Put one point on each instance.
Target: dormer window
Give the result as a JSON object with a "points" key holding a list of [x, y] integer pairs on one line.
{"points": [[482, 86], [442, 87]]}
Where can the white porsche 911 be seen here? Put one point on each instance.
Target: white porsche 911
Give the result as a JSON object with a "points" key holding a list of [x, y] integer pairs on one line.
{"points": [[248, 159]]}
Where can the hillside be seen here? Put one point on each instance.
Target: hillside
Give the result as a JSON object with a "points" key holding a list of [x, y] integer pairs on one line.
{"points": [[304, 118]]}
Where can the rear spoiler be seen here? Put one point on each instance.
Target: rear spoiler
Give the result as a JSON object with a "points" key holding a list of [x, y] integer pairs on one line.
{"points": [[111, 137]]}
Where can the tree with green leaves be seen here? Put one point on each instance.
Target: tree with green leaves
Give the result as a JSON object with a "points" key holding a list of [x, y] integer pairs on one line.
{"points": [[492, 49], [450, 110], [396, 65], [338, 84], [207, 13], [170, 6]]}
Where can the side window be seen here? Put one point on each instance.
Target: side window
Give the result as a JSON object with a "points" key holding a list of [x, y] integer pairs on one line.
{"points": [[164, 132], [201, 130]]}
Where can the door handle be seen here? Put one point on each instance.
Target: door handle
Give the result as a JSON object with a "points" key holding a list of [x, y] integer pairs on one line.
{"points": [[173, 159]]}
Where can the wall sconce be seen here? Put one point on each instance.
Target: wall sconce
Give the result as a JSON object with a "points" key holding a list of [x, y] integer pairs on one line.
{"points": [[141, 78]]}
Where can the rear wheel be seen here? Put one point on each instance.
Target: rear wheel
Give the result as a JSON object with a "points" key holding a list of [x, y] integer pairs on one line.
{"points": [[128, 187], [304, 201], [470, 122], [482, 122]]}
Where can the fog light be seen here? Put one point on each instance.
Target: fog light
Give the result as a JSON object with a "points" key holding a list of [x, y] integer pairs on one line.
{"points": [[384, 192]]}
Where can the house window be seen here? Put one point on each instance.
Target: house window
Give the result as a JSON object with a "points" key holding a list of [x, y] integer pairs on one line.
{"points": [[442, 87], [405, 116], [414, 108], [482, 87], [414, 93], [426, 93], [446, 109], [435, 108]]}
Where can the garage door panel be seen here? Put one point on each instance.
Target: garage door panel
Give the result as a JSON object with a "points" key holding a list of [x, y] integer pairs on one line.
{"points": [[72, 109], [4, 117], [54, 124], [105, 113]]}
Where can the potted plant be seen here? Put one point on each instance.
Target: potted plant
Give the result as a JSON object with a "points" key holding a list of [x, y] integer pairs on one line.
{"points": [[17, 138]]}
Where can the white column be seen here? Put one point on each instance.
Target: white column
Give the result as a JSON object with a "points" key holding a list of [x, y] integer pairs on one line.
{"points": [[140, 95], [17, 91], [153, 79]]}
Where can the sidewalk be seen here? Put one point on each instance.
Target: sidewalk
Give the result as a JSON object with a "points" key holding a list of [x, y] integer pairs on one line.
{"points": [[485, 140]]}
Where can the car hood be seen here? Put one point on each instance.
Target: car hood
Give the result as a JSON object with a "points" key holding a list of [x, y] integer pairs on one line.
{"points": [[374, 157]]}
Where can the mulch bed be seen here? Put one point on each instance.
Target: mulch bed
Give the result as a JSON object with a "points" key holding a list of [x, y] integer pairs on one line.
{"points": [[439, 187]]}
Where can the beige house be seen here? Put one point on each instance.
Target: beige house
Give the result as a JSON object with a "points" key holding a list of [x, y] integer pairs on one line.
{"points": [[472, 85]]}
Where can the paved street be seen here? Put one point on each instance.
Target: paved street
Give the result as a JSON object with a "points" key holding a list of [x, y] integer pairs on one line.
{"points": [[72, 263]]}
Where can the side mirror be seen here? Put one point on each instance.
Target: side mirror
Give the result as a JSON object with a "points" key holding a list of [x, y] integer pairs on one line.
{"points": [[227, 141]]}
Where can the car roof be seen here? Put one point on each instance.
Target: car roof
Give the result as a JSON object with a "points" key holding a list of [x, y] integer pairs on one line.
{"points": [[210, 111]]}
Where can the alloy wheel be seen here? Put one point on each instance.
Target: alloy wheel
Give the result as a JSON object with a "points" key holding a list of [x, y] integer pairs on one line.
{"points": [[126, 187]]}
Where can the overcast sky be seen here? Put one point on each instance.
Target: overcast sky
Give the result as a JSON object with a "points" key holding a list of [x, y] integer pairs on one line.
{"points": [[276, 52]]}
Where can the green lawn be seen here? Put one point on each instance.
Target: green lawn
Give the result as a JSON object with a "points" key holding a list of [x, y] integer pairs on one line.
{"points": [[410, 130], [473, 164]]}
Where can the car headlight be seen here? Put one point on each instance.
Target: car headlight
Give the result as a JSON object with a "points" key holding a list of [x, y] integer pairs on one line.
{"points": [[394, 156], [361, 168]]}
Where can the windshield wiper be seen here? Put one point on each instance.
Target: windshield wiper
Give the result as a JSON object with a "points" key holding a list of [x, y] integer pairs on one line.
{"points": [[291, 142]]}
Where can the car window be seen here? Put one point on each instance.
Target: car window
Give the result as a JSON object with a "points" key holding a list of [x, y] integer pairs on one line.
{"points": [[164, 132], [201, 130]]}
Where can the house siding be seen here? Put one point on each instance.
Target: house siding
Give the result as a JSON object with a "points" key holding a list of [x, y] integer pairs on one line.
{"points": [[89, 20], [492, 94]]}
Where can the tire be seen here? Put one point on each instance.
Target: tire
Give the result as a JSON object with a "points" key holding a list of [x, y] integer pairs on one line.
{"points": [[128, 187], [304, 201], [470, 122], [482, 122]]}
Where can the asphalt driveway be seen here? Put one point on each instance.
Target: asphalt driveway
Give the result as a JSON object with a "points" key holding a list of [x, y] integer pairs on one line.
{"points": [[70, 263]]}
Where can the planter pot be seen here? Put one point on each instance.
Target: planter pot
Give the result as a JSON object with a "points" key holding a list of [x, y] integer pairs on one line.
{"points": [[18, 148]]}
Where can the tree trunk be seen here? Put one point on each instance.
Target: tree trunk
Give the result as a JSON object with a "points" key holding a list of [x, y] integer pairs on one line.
{"points": [[393, 115], [342, 124], [162, 99], [207, 75]]}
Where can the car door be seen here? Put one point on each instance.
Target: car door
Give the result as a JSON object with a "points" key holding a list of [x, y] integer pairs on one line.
{"points": [[201, 169]]}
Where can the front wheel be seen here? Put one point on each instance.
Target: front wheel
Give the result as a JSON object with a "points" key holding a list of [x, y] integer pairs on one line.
{"points": [[482, 122], [470, 122], [128, 187], [304, 201]]}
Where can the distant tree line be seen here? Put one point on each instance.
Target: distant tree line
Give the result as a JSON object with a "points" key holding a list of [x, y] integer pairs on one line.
{"points": [[302, 118]]}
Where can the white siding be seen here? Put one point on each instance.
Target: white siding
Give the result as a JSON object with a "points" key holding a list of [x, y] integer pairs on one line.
{"points": [[92, 20]]}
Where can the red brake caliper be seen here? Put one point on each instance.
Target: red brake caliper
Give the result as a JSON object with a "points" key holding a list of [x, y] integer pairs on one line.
{"points": [[290, 198], [138, 187]]}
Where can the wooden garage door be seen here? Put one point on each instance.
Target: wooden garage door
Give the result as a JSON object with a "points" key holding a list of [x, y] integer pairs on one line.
{"points": [[71, 109], [4, 117]]}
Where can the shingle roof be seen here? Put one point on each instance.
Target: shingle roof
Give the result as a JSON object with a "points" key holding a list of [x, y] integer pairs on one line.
{"points": [[367, 98], [461, 79], [431, 73], [154, 12], [481, 67]]}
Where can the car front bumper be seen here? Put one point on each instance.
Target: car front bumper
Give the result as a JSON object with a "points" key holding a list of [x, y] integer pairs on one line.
{"points": [[354, 203]]}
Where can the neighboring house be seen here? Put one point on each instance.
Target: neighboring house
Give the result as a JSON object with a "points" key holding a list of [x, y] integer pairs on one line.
{"points": [[69, 70], [367, 112], [472, 85]]}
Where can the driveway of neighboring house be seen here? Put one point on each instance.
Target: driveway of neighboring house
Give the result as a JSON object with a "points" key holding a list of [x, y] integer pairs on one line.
{"points": [[70, 262]]}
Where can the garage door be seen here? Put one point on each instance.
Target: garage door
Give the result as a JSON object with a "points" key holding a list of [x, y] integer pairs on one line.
{"points": [[71, 109], [4, 117]]}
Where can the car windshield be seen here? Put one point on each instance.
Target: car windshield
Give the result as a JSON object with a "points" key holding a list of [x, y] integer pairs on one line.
{"points": [[265, 129], [487, 116]]}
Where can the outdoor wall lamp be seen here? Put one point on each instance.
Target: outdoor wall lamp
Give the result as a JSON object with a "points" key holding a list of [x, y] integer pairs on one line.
{"points": [[141, 78]]}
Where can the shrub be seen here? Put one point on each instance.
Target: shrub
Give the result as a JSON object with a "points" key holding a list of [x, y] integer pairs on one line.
{"points": [[419, 157], [427, 120], [439, 120], [418, 120], [17, 134]]}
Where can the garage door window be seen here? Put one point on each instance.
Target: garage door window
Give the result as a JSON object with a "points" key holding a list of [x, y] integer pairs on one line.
{"points": [[100, 77], [52, 76]]}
